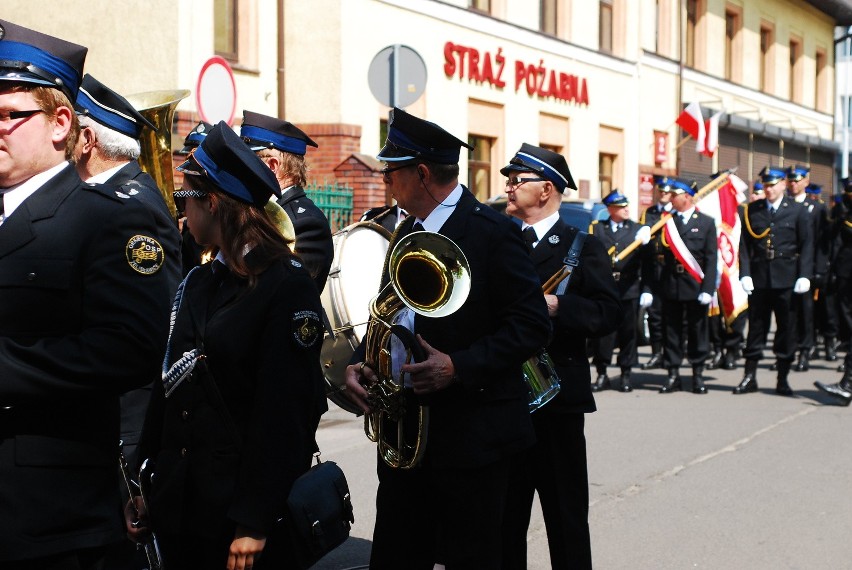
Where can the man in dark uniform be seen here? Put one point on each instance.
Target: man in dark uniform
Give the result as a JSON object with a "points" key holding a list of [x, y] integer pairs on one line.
{"points": [[190, 251], [825, 317], [389, 217], [107, 151], [449, 508], [688, 282], [555, 466], [842, 234], [798, 179], [616, 233], [85, 320], [776, 261], [652, 265], [282, 146]]}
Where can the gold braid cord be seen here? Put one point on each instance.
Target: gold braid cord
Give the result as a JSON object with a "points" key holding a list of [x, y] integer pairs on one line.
{"points": [[748, 226]]}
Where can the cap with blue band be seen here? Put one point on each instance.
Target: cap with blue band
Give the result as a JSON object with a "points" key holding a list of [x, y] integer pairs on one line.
{"points": [[413, 138], [615, 198], [544, 162], [110, 109], [771, 176], [262, 131]]}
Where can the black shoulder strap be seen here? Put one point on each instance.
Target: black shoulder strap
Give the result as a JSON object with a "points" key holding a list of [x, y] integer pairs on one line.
{"points": [[572, 260]]}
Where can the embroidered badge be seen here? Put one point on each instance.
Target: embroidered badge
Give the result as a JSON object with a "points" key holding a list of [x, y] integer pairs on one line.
{"points": [[300, 210], [306, 328], [144, 254], [553, 240], [694, 230], [295, 263], [121, 194]]}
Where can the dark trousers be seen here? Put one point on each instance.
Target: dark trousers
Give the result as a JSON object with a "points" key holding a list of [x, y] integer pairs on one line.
{"points": [[694, 315], [722, 338], [624, 338], [83, 559], [655, 320], [825, 317], [451, 516], [762, 304], [555, 467], [804, 308], [844, 308]]}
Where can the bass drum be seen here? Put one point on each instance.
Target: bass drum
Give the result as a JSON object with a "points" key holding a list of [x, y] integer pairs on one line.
{"points": [[354, 279]]}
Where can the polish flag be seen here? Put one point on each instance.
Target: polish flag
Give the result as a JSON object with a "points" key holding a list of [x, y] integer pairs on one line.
{"points": [[692, 122], [711, 140], [722, 206]]}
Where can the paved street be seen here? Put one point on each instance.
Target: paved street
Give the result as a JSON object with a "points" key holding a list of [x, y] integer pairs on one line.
{"points": [[683, 481]]}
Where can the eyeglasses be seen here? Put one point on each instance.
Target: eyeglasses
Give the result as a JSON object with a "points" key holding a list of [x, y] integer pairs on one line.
{"points": [[387, 169], [514, 181], [12, 115], [181, 195]]}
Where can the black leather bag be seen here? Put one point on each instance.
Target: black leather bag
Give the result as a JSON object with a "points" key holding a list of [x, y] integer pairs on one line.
{"points": [[320, 512]]}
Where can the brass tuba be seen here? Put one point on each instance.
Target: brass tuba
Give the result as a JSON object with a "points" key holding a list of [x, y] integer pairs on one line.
{"points": [[156, 158], [430, 275]]}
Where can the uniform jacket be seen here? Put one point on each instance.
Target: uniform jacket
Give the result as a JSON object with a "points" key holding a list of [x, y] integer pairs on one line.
{"points": [[229, 441], [776, 250], [313, 233], [699, 236], [83, 318], [589, 308], [134, 182], [385, 216], [821, 233], [652, 253], [842, 266], [627, 271], [503, 322]]}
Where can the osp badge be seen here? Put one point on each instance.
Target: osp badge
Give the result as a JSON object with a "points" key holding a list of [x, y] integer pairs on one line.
{"points": [[144, 254], [306, 328]]}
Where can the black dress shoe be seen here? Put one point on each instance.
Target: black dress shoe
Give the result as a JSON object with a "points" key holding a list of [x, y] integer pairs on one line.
{"points": [[698, 381], [715, 360], [601, 383], [625, 382], [839, 390], [802, 365], [830, 350], [656, 361], [673, 384], [842, 367], [782, 388], [746, 385], [774, 366], [730, 362]]}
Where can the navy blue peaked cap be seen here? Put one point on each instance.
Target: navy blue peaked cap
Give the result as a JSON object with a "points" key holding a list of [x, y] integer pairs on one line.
{"points": [[771, 175], [28, 56], [615, 198], [413, 138], [261, 131], [195, 136], [544, 162], [110, 109], [232, 167], [797, 172]]}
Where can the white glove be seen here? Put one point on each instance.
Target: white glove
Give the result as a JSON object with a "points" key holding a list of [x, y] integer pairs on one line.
{"points": [[748, 284], [645, 300], [704, 298], [803, 285], [644, 234]]}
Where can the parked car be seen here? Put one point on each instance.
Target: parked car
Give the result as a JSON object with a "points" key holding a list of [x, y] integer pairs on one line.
{"points": [[577, 213]]}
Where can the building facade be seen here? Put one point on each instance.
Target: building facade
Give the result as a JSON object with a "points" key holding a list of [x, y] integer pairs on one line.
{"points": [[600, 81]]}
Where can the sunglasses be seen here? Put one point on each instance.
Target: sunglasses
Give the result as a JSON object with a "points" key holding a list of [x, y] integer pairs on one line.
{"points": [[181, 195], [514, 181]]}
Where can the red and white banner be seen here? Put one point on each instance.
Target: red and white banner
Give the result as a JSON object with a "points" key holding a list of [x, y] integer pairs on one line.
{"points": [[721, 205], [711, 139], [681, 252], [692, 122]]}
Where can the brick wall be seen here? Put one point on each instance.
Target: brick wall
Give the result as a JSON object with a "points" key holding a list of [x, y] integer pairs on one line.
{"points": [[361, 172], [337, 141]]}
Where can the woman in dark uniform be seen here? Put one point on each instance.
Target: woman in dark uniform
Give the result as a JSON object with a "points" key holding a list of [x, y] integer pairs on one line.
{"points": [[232, 425]]}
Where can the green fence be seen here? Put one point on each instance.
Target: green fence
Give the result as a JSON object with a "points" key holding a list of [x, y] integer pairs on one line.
{"points": [[335, 200]]}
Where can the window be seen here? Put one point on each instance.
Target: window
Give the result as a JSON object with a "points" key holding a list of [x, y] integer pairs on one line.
{"points": [[767, 71], [479, 166], [225, 19], [691, 25], [605, 26], [548, 17], [481, 5], [795, 69], [732, 55], [821, 85], [606, 164]]}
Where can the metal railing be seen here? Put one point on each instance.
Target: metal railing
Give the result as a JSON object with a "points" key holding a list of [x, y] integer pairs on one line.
{"points": [[335, 200]]}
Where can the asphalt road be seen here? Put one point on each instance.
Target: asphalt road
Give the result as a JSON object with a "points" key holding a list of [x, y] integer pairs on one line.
{"points": [[716, 481]]}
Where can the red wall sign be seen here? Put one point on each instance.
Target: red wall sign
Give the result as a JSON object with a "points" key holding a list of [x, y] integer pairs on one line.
{"points": [[537, 80], [661, 147]]}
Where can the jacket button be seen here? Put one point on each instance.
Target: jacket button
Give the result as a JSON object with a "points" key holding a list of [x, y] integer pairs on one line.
{"points": [[183, 452], [184, 414], [31, 276]]}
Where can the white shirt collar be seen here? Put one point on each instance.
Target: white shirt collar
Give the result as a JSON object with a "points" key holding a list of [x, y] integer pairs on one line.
{"points": [[777, 203], [686, 214], [15, 196], [436, 218], [800, 197], [106, 174], [542, 226]]}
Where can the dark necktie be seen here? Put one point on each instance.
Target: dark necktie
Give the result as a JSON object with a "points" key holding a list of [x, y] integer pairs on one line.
{"points": [[771, 211], [2, 209], [417, 227], [530, 237]]}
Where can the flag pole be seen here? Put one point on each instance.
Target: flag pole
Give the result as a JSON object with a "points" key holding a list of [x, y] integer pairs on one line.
{"points": [[708, 188], [682, 141]]}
